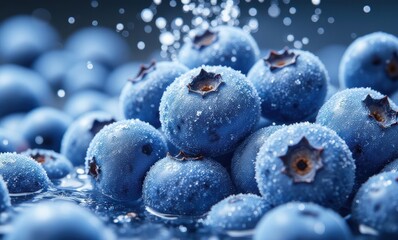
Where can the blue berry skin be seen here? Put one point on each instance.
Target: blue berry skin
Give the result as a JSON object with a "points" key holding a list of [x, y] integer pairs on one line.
{"points": [[58, 220], [119, 77], [367, 126], [120, 155], [223, 45], [5, 201], [55, 164], [185, 186], [79, 134], [84, 102], [371, 61], [85, 75], [305, 162], [22, 174], [307, 221], [243, 161], [209, 119], [44, 127], [18, 94], [141, 95], [237, 212], [53, 66], [391, 167], [11, 141], [376, 204], [12, 121], [24, 38], [99, 44], [292, 85]]}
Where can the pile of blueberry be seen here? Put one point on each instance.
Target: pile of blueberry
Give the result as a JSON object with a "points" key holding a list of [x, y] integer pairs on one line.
{"points": [[221, 144]]}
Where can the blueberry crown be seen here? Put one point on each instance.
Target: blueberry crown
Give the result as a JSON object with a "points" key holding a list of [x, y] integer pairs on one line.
{"points": [[205, 83], [144, 70], [204, 39], [98, 125], [280, 59], [381, 111], [182, 156], [93, 169], [302, 161]]}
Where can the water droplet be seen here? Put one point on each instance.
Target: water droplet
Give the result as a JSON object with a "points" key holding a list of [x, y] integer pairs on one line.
{"points": [[89, 65], [61, 93], [119, 27], [5, 142], [146, 15], [274, 10], [121, 11], [292, 10], [316, 2], [141, 45], [161, 22], [287, 21], [366, 9], [94, 4], [39, 140], [94, 23], [290, 38], [331, 20], [321, 31], [71, 20], [166, 38]]}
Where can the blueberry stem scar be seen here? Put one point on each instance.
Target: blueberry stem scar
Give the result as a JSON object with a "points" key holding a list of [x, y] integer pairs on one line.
{"points": [[302, 161], [381, 111], [182, 156], [144, 70], [205, 83]]}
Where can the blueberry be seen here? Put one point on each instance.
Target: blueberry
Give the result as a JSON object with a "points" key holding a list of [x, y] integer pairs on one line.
{"points": [[44, 128], [209, 110], [237, 212], [305, 162], [223, 45], [22, 174], [391, 167], [23, 38], [307, 221], [243, 161], [366, 120], [141, 95], [12, 121], [99, 45], [5, 201], [79, 134], [53, 66], [371, 61], [58, 220], [11, 141], [84, 75], [55, 164], [120, 155], [21, 90], [119, 77], [376, 204], [84, 102], [292, 85], [185, 185]]}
